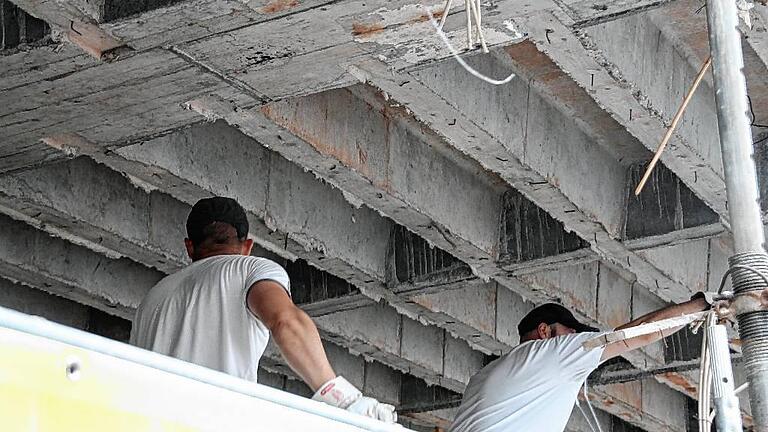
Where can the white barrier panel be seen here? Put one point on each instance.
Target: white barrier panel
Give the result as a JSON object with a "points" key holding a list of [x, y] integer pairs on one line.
{"points": [[55, 378]]}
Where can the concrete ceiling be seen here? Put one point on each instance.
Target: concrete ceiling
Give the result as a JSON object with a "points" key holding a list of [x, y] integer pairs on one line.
{"points": [[419, 211]]}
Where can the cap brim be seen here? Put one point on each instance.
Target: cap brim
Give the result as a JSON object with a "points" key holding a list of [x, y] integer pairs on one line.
{"points": [[579, 327]]}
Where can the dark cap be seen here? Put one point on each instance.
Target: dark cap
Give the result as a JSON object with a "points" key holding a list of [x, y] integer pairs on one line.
{"points": [[551, 313], [216, 209]]}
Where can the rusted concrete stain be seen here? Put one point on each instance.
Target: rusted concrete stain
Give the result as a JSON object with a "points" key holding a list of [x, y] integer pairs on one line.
{"points": [[367, 29], [631, 393], [425, 301], [364, 30], [546, 77], [680, 382], [275, 6], [317, 136], [690, 28], [318, 143], [424, 17]]}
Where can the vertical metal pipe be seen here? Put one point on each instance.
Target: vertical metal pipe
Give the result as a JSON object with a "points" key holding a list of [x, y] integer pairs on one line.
{"points": [[733, 124], [726, 404], [742, 192]]}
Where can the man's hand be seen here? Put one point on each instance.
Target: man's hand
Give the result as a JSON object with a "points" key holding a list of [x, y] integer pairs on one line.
{"points": [[370, 407], [341, 394]]}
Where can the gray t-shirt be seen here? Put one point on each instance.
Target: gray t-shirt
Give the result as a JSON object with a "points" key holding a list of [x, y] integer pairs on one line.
{"points": [[199, 314], [532, 388]]}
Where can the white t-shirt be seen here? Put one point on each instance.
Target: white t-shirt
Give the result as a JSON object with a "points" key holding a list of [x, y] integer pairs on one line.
{"points": [[199, 314], [533, 388]]}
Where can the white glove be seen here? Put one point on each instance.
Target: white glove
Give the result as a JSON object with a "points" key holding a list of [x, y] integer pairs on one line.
{"points": [[340, 393], [370, 407]]}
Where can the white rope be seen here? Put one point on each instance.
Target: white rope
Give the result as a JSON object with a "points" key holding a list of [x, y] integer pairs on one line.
{"points": [[455, 52], [586, 418], [470, 42], [591, 409], [705, 412], [476, 14]]}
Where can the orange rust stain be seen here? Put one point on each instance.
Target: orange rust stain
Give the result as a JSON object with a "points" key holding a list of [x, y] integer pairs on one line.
{"points": [[275, 6], [680, 381], [357, 160], [629, 393], [366, 29], [425, 301], [535, 61], [425, 17]]}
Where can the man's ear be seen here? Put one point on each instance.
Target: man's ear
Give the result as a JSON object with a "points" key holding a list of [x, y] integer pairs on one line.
{"points": [[247, 246], [543, 331], [190, 248]]}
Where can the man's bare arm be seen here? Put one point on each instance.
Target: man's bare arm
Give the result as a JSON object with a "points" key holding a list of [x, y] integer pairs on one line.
{"points": [[294, 332], [618, 348]]}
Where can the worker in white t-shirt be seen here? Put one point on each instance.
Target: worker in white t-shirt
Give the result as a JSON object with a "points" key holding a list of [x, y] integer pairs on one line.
{"points": [[219, 311], [533, 388]]}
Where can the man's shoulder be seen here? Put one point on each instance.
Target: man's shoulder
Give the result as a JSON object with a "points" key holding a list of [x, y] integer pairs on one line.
{"points": [[556, 344]]}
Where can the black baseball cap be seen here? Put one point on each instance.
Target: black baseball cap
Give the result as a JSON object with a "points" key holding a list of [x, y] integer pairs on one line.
{"points": [[551, 313], [216, 209]]}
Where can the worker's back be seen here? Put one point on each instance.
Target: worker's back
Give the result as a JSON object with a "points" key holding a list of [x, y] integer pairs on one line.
{"points": [[532, 388], [199, 314]]}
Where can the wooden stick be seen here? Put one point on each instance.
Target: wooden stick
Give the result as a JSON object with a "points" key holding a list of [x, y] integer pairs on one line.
{"points": [[672, 127]]}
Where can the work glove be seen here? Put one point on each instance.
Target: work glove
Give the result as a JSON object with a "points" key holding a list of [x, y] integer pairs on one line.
{"points": [[340, 393]]}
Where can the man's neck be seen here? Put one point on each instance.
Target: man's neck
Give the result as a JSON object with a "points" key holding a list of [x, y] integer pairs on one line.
{"points": [[211, 253]]}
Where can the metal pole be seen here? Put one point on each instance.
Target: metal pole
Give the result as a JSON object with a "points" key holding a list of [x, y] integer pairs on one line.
{"points": [[742, 193], [726, 404], [733, 124]]}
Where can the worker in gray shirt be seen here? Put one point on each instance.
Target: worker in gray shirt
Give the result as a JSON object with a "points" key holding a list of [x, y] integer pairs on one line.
{"points": [[533, 388]]}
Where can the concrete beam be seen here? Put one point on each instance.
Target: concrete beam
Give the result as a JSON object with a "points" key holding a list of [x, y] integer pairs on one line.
{"points": [[194, 42], [33, 258], [35, 302], [144, 101], [540, 172], [74, 25], [616, 71], [380, 186]]}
